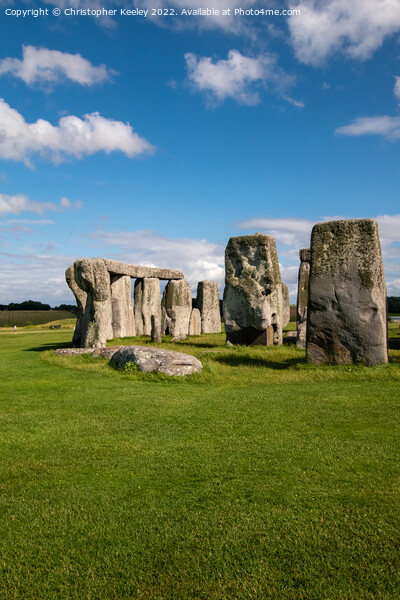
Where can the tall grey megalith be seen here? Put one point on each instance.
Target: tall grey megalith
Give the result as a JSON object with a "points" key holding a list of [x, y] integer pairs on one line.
{"points": [[302, 296], [253, 304], [147, 303], [346, 321], [123, 321], [207, 302], [80, 297], [176, 308]]}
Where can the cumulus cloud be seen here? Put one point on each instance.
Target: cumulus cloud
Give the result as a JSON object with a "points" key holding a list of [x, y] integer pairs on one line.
{"points": [[198, 259], [16, 204], [65, 203], [384, 125], [397, 88], [40, 65], [71, 137], [356, 27], [237, 77], [291, 232]]}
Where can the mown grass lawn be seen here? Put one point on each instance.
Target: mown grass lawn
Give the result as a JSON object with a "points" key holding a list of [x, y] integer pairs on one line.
{"points": [[262, 477]]}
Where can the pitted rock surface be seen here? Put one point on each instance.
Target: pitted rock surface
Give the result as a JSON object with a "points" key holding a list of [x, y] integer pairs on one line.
{"points": [[157, 360]]}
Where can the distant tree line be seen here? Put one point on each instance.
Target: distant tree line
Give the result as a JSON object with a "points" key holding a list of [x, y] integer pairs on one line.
{"points": [[34, 305], [393, 304]]}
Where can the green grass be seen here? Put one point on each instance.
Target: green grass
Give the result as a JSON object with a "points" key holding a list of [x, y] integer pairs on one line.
{"points": [[9, 318], [263, 477]]}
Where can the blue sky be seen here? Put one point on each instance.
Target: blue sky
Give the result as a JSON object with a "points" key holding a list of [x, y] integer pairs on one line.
{"points": [[154, 140]]}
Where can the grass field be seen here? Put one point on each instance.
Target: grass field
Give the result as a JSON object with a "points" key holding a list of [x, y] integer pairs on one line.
{"points": [[9, 318], [262, 477]]}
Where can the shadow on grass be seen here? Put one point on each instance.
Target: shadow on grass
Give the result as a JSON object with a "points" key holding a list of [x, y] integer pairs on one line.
{"points": [[248, 361], [53, 346], [394, 343]]}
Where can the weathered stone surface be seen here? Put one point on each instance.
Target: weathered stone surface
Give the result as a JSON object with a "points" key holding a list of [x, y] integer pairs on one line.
{"points": [[140, 272], [176, 308], [80, 297], [156, 329], [72, 351], [93, 278], [285, 305], [147, 303], [302, 296], [195, 322], [159, 360], [123, 322], [346, 320], [253, 305], [207, 302]]}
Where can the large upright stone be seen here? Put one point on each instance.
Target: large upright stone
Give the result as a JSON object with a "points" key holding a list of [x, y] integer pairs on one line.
{"points": [[176, 308], [123, 322], [207, 302], [253, 305], [80, 297], [195, 322], [285, 305], [147, 303], [93, 278], [302, 296], [346, 320]]}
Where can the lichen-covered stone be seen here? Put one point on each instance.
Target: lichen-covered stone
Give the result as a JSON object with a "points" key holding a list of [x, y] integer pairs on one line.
{"points": [[80, 297], [156, 329], [123, 322], [140, 272], [207, 302], [159, 360], [285, 305], [346, 322], [176, 308], [195, 322], [93, 278], [302, 296], [253, 305], [147, 303]]}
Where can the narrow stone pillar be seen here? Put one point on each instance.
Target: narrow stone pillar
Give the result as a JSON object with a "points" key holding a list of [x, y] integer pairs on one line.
{"points": [[123, 322], [346, 321], [147, 303], [253, 302], [80, 297], [93, 278], [156, 329], [195, 322], [177, 308], [207, 302], [302, 297]]}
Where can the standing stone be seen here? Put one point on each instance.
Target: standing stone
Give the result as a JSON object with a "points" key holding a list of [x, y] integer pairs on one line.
{"points": [[80, 297], [285, 305], [93, 278], [176, 308], [207, 302], [147, 303], [253, 303], [123, 322], [302, 296], [195, 322], [156, 329], [346, 322]]}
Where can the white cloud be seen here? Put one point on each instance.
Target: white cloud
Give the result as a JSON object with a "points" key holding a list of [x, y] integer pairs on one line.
{"points": [[355, 27], [65, 203], [16, 204], [40, 65], [235, 77], [397, 88], [291, 232], [198, 259], [72, 137], [384, 125]]}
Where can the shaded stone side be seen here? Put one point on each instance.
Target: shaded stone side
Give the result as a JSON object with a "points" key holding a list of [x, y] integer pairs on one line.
{"points": [[123, 322], [93, 278], [195, 322], [207, 302], [285, 305], [176, 308], [253, 305], [80, 297], [346, 322], [302, 297], [147, 303]]}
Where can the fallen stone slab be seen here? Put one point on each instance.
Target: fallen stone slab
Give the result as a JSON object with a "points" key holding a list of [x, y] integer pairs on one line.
{"points": [[72, 351], [104, 352], [156, 360]]}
